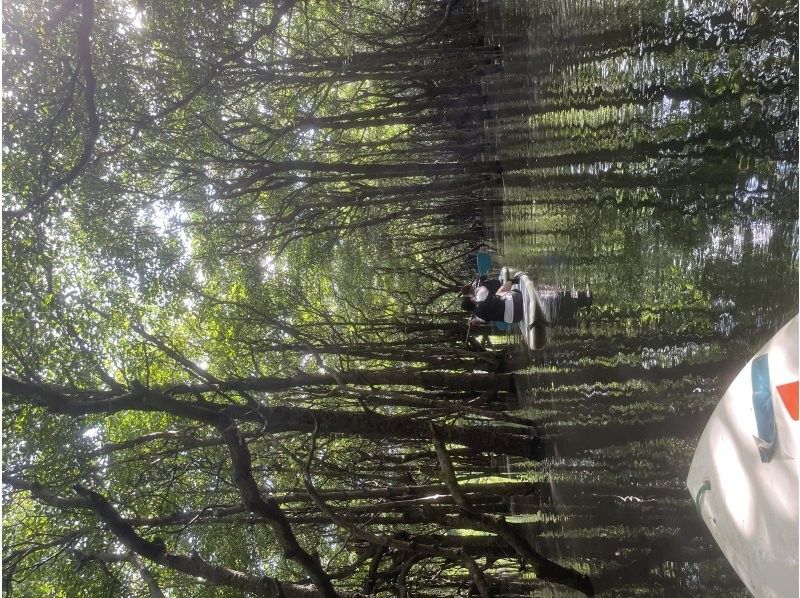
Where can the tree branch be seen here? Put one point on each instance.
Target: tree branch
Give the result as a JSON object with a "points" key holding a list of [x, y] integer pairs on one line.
{"points": [[147, 577], [544, 568], [93, 121], [455, 554], [269, 509], [157, 552], [194, 565]]}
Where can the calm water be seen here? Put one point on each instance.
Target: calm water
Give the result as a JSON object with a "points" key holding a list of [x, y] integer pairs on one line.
{"points": [[650, 151]]}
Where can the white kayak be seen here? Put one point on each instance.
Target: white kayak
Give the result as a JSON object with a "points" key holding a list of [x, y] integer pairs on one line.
{"points": [[535, 319], [744, 475], [534, 322]]}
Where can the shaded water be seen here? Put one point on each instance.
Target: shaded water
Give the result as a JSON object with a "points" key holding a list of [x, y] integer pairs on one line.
{"points": [[650, 151]]}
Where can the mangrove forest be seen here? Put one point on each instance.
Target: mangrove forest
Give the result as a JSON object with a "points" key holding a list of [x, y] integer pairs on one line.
{"points": [[234, 237]]}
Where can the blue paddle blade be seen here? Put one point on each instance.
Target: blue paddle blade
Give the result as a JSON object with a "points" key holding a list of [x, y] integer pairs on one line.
{"points": [[502, 325], [484, 261], [762, 407]]}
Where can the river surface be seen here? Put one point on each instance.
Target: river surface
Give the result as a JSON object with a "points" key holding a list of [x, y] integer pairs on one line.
{"points": [[650, 152]]}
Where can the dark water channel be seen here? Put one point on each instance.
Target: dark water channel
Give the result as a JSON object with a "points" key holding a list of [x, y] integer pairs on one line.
{"points": [[649, 151]]}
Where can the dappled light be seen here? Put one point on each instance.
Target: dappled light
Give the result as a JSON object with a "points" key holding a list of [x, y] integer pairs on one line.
{"points": [[243, 351]]}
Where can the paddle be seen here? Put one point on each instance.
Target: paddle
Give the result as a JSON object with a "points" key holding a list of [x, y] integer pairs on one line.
{"points": [[483, 261]]}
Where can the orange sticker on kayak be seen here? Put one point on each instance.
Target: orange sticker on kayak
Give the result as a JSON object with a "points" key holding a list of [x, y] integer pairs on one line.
{"points": [[788, 394]]}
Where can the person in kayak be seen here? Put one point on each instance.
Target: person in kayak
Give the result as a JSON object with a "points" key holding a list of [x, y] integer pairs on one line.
{"points": [[505, 305], [492, 284]]}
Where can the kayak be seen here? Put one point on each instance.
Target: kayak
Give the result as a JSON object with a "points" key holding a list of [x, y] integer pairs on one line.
{"points": [[534, 321], [744, 474]]}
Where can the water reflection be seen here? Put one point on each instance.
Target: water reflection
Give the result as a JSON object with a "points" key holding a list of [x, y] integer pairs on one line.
{"points": [[650, 150]]}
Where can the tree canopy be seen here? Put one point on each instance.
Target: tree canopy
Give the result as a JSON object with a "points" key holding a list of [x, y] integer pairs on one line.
{"points": [[233, 234], [230, 229]]}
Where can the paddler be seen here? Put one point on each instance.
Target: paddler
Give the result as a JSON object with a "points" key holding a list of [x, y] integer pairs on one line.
{"points": [[505, 305]]}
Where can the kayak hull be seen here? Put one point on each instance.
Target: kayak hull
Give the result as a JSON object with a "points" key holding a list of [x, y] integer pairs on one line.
{"points": [[534, 322], [533, 326], [744, 474]]}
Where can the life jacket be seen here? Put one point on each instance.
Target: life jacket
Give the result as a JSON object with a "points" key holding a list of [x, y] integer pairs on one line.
{"points": [[491, 309], [492, 284]]}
